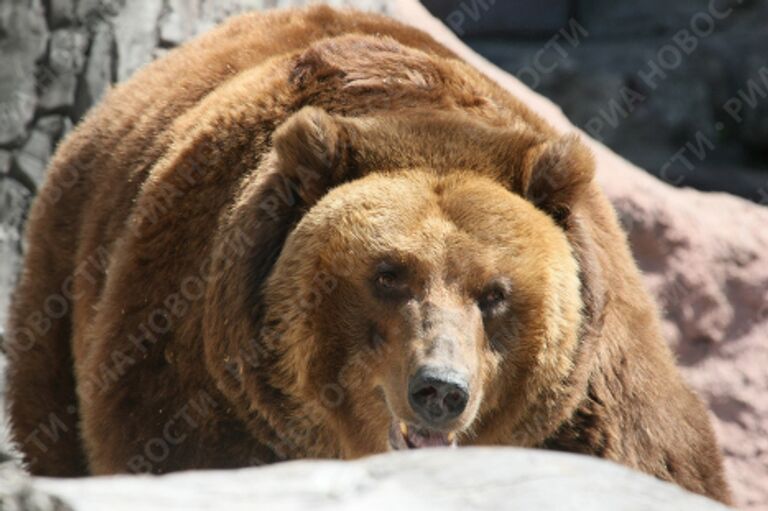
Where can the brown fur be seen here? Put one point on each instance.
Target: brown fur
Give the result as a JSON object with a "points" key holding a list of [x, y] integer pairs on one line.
{"points": [[208, 235]]}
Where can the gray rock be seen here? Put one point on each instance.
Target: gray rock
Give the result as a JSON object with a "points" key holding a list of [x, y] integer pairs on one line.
{"points": [[193, 20], [61, 12], [7, 446], [179, 22], [55, 127], [10, 458], [14, 203], [136, 35], [24, 40], [57, 79], [17, 493], [494, 479], [67, 54], [98, 72], [68, 127], [52, 125], [90, 12], [211, 12], [159, 53], [32, 158], [24, 27], [5, 162], [59, 92]]}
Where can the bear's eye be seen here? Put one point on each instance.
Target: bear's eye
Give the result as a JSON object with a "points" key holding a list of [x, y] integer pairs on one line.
{"points": [[386, 279], [389, 281], [493, 299]]}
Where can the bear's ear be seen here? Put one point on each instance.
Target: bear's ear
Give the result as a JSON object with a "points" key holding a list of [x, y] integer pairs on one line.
{"points": [[308, 157], [310, 152], [555, 175]]}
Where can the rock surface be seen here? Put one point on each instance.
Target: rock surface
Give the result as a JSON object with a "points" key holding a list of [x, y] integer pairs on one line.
{"points": [[444, 479], [705, 256], [17, 493], [14, 202], [99, 73], [136, 35], [23, 41], [57, 80]]}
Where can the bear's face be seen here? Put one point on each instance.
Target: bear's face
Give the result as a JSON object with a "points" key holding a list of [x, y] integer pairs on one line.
{"points": [[430, 303], [410, 283]]}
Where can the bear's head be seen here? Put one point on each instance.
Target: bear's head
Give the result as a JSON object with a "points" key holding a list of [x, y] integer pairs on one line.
{"points": [[401, 282]]}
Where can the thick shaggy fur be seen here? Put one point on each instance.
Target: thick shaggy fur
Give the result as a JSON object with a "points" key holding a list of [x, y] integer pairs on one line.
{"points": [[195, 287]]}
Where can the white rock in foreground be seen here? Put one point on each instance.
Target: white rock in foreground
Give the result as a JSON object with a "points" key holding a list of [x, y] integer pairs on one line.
{"points": [[493, 479]]}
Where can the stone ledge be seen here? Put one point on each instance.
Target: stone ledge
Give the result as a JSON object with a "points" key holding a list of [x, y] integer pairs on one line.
{"points": [[492, 479]]}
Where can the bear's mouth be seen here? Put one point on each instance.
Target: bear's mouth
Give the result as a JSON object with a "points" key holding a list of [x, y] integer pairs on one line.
{"points": [[406, 436]]}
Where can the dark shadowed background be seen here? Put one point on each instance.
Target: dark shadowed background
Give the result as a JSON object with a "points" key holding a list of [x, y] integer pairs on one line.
{"points": [[678, 87]]}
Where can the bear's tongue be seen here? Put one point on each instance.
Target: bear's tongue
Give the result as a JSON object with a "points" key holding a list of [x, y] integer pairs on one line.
{"points": [[417, 438]]}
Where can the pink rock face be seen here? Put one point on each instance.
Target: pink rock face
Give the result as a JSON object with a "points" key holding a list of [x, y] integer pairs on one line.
{"points": [[705, 258]]}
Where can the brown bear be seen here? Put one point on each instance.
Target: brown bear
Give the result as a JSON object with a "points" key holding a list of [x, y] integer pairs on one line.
{"points": [[318, 233]]}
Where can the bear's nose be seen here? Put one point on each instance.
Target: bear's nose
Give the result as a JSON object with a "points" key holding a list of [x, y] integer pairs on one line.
{"points": [[438, 395]]}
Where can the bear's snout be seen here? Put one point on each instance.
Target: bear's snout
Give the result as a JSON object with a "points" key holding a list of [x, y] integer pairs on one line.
{"points": [[438, 395]]}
